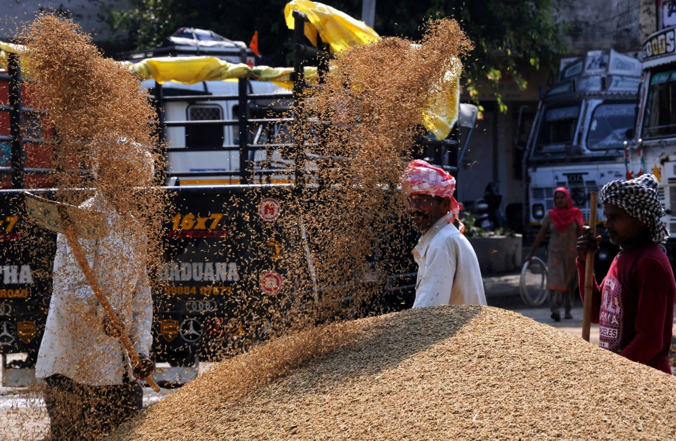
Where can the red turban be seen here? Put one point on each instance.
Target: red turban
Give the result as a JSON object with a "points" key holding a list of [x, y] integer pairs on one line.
{"points": [[422, 178]]}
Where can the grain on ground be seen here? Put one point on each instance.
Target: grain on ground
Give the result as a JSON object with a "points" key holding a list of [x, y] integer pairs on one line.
{"points": [[457, 372]]}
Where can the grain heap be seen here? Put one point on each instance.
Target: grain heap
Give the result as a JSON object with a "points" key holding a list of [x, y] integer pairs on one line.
{"points": [[456, 372]]}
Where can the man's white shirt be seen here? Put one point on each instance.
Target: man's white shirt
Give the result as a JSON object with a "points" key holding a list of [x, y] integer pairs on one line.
{"points": [[74, 343], [448, 269]]}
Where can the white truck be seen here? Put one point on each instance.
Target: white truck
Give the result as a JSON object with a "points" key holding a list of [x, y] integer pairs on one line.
{"points": [[578, 135], [653, 147]]}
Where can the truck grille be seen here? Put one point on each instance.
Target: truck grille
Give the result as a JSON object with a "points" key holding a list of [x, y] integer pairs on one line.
{"points": [[541, 193]]}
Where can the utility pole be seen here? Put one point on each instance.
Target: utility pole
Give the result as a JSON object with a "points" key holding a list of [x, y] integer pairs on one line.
{"points": [[368, 12]]}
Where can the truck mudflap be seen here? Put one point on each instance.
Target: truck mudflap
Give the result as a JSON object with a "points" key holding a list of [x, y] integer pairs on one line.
{"points": [[224, 270]]}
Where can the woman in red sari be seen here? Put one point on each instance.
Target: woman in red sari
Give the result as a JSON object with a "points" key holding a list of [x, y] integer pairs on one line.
{"points": [[564, 224]]}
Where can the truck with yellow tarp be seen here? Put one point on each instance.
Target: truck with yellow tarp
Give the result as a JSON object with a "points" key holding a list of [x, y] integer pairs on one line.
{"points": [[225, 126]]}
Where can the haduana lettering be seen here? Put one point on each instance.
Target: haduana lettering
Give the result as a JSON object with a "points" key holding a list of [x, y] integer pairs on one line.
{"points": [[16, 274], [198, 272]]}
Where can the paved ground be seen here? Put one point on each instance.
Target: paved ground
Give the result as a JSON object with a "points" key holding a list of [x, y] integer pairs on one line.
{"points": [[502, 291]]}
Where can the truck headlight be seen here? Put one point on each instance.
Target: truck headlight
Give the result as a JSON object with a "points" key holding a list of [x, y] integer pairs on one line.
{"points": [[538, 211]]}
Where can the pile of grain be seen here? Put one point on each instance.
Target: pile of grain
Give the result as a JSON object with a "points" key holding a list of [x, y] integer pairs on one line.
{"points": [[461, 372]]}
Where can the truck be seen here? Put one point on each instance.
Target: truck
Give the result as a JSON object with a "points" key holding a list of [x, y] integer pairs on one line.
{"points": [[652, 148], [578, 135], [228, 174]]}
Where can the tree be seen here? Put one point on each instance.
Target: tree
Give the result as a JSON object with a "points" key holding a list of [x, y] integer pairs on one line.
{"points": [[506, 33]]}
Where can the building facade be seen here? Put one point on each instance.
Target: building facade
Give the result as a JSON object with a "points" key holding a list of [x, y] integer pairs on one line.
{"points": [[87, 13]]}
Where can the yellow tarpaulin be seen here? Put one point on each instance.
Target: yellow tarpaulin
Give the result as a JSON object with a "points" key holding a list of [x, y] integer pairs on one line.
{"points": [[336, 28], [10, 48], [5, 50], [341, 31], [191, 70], [441, 115]]}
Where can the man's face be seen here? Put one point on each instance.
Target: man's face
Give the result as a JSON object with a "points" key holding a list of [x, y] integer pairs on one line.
{"points": [[621, 227], [425, 210]]}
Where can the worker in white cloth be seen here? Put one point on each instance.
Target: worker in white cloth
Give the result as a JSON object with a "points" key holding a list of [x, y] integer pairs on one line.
{"points": [[90, 383], [448, 269]]}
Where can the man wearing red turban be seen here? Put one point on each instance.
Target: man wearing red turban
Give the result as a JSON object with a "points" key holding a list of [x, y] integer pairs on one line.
{"points": [[448, 269]]}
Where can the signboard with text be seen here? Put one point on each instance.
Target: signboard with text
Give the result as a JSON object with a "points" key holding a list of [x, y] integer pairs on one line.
{"points": [[660, 48], [667, 13]]}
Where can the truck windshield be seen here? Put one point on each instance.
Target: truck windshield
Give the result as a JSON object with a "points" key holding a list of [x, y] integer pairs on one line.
{"points": [[557, 129], [660, 110], [609, 125]]}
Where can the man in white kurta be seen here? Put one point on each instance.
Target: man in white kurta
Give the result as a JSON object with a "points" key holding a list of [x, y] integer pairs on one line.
{"points": [[448, 269], [89, 378]]}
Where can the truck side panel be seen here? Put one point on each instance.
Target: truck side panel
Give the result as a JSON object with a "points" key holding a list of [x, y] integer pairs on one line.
{"points": [[226, 256]]}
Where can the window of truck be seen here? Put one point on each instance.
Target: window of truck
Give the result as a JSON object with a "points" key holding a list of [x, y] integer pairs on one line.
{"points": [[609, 124], [204, 135], [557, 129], [660, 110]]}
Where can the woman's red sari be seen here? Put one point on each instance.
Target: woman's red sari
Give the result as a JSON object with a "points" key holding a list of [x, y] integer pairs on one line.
{"points": [[563, 217]]}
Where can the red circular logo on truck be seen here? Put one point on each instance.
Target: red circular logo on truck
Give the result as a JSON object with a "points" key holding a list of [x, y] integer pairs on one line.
{"points": [[269, 209], [271, 282]]}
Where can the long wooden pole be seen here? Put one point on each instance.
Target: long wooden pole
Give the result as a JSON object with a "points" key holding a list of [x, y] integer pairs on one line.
{"points": [[81, 259], [589, 269]]}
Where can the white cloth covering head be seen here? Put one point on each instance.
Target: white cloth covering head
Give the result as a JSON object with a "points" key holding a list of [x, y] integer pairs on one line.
{"points": [[125, 157]]}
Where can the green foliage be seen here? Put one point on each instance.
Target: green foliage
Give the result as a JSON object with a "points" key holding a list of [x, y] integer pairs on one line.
{"points": [[471, 229], [507, 34]]}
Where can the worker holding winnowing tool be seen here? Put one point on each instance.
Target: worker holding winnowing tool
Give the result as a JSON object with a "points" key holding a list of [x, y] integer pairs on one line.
{"points": [[90, 376]]}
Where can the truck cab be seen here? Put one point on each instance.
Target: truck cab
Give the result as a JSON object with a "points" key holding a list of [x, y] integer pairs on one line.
{"points": [[578, 136], [653, 147], [202, 130]]}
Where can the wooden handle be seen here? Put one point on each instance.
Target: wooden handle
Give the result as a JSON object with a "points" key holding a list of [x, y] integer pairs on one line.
{"points": [[589, 269], [81, 259]]}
